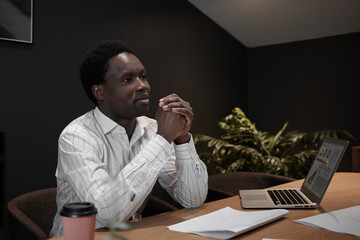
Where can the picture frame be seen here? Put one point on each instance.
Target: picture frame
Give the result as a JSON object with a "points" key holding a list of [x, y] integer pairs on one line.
{"points": [[16, 20]]}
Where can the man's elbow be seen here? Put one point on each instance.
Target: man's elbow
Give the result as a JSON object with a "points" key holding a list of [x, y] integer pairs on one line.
{"points": [[195, 202]]}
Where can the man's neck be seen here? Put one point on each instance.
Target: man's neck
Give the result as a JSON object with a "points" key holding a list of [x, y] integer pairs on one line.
{"points": [[129, 125]]}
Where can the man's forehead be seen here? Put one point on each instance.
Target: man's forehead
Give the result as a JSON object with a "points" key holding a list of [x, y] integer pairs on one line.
{"points": [[124, 62]]}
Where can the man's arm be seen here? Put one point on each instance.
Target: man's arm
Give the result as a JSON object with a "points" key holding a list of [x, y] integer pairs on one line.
{"points": [[186, 178], [81, 165]]}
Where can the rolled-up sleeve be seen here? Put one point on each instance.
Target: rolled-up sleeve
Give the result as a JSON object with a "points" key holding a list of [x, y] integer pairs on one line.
{"points": [[185, 176]]}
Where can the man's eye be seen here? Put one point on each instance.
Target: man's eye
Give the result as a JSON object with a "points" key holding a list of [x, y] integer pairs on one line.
{"points": [[128, 79], [143, 76]]}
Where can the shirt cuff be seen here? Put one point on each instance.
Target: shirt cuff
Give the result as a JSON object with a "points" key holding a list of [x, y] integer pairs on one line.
{"points": [[186, 151]]}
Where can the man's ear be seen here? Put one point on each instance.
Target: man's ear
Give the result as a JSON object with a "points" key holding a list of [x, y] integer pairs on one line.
{"points": [[98, 92]]}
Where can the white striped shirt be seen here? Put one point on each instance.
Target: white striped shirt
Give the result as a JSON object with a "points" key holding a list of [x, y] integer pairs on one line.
{"points": [[97, 163]]}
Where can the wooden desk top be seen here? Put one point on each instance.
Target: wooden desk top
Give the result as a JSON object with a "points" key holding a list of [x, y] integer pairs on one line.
{"points": [[348, 184]]}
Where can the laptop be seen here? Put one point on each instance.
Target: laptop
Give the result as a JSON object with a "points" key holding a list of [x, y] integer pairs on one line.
{"points": [[313, 188]]}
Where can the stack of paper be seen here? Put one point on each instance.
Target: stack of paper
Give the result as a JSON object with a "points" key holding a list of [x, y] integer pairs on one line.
{"points": [[227, 222], [344, 221]]}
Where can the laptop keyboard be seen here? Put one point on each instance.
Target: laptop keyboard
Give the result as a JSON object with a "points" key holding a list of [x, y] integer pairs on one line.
{"points": [[286, 197]]}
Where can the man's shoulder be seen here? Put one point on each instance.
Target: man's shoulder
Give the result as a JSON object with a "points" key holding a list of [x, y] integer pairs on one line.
{"points": [[82, 124]]}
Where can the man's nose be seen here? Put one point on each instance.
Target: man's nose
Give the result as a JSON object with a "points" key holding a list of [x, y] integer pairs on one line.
{"points": [[141, 84]]}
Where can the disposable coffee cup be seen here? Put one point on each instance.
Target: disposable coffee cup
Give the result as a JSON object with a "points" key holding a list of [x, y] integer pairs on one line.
{"points": [[79, 220]]}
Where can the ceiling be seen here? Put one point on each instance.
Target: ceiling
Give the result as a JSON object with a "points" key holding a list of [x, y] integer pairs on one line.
{"points": [[258, 23]]}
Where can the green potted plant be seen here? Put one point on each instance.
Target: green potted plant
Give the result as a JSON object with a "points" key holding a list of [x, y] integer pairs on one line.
{"points": [[243, 147]]}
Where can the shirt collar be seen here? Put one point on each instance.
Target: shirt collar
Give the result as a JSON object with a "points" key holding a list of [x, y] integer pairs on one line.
{"points": [[105, 122], [109, 125]]}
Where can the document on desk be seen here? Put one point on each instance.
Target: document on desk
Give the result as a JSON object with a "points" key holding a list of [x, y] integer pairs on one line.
{"points": [[343, 221], [227, 222]]}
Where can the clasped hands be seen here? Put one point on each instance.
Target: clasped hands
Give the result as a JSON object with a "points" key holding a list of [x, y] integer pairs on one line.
{"points": [[174, 117]]}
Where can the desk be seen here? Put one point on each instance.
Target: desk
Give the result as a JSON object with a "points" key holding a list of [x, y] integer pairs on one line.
{"points": [[348, 184]]}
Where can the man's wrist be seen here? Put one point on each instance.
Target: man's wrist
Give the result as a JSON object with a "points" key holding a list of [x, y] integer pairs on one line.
{"points": [[182, 139]]}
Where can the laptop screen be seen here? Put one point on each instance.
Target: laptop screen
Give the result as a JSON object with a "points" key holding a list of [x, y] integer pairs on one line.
{"points": [[323, 168]]}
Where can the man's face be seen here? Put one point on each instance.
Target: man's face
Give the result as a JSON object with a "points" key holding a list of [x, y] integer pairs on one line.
{"points": [[125, 89]]}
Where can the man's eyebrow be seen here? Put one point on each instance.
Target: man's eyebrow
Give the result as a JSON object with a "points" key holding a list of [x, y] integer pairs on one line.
{"points": [[123, 72]]}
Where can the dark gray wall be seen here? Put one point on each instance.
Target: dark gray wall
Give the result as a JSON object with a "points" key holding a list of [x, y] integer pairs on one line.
{"points": [[312, 84], [183, 51]]}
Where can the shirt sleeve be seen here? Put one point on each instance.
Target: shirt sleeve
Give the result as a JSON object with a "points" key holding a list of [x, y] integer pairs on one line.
{"points": [[185, 176], [80, 164]]}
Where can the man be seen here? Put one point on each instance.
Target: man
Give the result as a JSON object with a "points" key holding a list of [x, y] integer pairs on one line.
{"points": [[113, 155]]}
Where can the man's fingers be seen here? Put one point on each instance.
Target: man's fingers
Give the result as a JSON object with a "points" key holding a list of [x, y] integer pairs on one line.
{"points": [[172, 98], [172, 105], [187, 113]]}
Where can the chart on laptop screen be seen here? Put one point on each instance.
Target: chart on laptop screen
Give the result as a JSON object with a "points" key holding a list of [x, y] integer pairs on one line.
{"points": [[323, 167]]}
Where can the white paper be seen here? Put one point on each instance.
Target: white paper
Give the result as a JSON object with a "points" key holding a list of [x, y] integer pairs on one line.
{"points": [[343, 221], [227, 222]]}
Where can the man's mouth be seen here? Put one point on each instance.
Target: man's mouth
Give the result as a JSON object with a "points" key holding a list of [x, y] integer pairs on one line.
{"points": [[144, 99]]}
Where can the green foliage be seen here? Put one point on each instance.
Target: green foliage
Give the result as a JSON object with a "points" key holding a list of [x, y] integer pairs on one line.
{"points": [[243, 147], [114, 226]]}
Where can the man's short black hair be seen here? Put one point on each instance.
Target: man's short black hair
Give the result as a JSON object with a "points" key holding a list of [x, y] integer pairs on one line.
{"points": [[94, 65]]}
